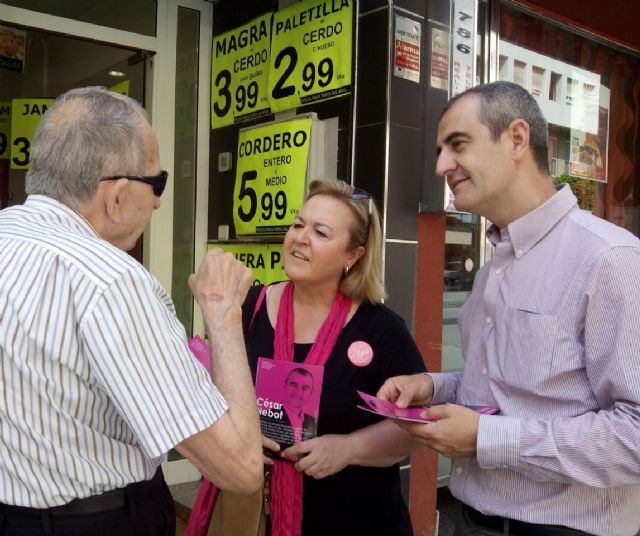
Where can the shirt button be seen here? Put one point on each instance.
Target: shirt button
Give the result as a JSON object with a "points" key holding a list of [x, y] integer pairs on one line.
{"points": [[488, 321], [458, 470], [498, 271], [484, 371], [519, 253]]}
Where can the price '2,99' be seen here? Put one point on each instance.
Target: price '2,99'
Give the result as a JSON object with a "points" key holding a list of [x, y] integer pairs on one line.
{"points": [[322, 74]]}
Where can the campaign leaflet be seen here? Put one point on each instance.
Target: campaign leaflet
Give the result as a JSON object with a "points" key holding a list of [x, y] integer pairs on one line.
{"points": [[288, 396], [388, 409], [200, 349]]}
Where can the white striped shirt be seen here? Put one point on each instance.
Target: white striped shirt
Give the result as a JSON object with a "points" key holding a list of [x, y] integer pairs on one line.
{"points": [[96, 380], [551, 335]]}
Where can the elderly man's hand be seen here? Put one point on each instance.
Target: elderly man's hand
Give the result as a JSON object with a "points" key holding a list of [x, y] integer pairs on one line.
{"points": [[220, 286], [454, 432]]}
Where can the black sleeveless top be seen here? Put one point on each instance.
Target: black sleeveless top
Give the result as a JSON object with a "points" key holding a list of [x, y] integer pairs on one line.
{"points": [[357, 500]]}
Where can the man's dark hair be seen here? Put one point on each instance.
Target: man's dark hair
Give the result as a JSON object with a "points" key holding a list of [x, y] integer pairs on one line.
{"points": [[501, 103]]}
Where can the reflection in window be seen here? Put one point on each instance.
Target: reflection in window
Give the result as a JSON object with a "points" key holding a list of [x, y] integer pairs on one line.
{"points": [[138, 16], [185, 162], [537, 81], [592, 108], [53, 64]]}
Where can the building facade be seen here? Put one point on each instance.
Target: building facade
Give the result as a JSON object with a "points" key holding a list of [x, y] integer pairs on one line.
{"points": [[376, 130]]}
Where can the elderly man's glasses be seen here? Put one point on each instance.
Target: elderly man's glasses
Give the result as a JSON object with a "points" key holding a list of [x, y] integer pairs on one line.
{"points": [[157, 182]]}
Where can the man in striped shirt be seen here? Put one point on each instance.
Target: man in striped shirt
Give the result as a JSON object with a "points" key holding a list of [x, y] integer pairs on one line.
{"points": [[549, 335], [96, 379]]}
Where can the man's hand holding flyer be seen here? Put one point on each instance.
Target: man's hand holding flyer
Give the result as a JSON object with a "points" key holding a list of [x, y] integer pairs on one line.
{"points": [[388, 409]]}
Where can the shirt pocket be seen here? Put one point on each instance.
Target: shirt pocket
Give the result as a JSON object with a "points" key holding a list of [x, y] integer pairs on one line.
{"points": [[531, 340]]}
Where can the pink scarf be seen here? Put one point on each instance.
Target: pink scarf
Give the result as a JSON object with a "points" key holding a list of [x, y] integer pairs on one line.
{"points": [[286, 482]]}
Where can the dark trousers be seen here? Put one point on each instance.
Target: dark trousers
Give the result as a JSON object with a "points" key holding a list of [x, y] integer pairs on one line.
{"points": [[473, 523], [147, 511]]}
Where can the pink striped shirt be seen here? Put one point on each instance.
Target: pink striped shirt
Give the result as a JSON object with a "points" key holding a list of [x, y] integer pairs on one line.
{"points": [[551, 335]]}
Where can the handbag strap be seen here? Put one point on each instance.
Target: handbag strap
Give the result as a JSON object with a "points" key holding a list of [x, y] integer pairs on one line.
{"points": [[256, 308]]}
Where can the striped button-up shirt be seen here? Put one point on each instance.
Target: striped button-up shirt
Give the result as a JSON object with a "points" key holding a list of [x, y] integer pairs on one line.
{"points": [[96, 379], [551, 335]]}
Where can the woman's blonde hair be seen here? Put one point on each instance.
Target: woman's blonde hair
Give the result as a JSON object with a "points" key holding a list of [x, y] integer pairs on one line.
{"points": [[363, 281]]}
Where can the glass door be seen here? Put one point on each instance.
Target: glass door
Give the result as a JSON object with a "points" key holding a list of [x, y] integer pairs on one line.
{"points": [[46, 65]]}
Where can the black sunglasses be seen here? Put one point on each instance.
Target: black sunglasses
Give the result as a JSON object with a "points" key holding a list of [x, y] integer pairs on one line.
{"points": [[157, 182]]}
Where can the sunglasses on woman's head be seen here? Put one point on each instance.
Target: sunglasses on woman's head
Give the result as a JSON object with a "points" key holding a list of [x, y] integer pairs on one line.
{"points": [[359, 194], [157, 182]]}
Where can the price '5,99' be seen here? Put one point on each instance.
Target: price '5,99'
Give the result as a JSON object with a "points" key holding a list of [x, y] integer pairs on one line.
{"points": [[271, 205]]}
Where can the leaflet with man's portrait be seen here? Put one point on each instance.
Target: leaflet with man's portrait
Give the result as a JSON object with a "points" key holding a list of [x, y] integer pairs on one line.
{"points": [[288, 397]]}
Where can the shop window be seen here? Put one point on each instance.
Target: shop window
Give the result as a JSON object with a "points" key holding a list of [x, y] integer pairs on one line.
{"points": [[137, 16], [45, 66], [591, 103]]}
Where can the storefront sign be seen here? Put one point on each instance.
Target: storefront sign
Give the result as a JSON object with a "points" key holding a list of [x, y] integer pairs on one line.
{"points": [[583, 97], [407, 49], [12, 48], [439, 59], [463, 46], [310, 53], [122, 88], [270, 177], [588, 151], [463, 61], [240, 63], [264, 260], [5, 129], [25, 117]]}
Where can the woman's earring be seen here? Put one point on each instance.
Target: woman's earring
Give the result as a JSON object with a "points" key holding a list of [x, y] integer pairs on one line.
{"points": [[346, 269]]}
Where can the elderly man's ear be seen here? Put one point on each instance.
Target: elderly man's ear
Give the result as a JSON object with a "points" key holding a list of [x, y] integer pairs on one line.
{"points": [[114, 195]]}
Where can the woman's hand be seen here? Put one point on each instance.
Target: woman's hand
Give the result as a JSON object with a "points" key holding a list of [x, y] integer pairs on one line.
{"points": [[321, 456], [271, 445]]}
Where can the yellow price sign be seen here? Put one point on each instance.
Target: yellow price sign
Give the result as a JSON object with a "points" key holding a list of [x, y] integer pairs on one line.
{"points": [[310, 53], [122, 88], [5, 129], [240, 64], [264, 260], [270, 177], [25, 117], [251, 255], [275, 267]]}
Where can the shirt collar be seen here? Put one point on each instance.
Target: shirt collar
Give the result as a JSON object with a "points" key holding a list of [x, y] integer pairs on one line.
{"points": [[63, 214], [528, 230]]}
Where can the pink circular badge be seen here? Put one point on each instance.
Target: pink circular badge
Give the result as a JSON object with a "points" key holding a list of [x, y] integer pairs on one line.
{"points": [[360, 353]]}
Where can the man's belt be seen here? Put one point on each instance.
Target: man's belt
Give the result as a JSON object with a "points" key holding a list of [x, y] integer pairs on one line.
{"points": [[110, 500], [518, 528]]}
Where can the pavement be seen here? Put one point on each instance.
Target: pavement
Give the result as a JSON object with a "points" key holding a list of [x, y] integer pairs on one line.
{"points": [[184, 495], [448, 507]]}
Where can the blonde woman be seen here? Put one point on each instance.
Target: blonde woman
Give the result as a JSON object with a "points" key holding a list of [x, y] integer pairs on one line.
{"points": [[347, 479]]}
